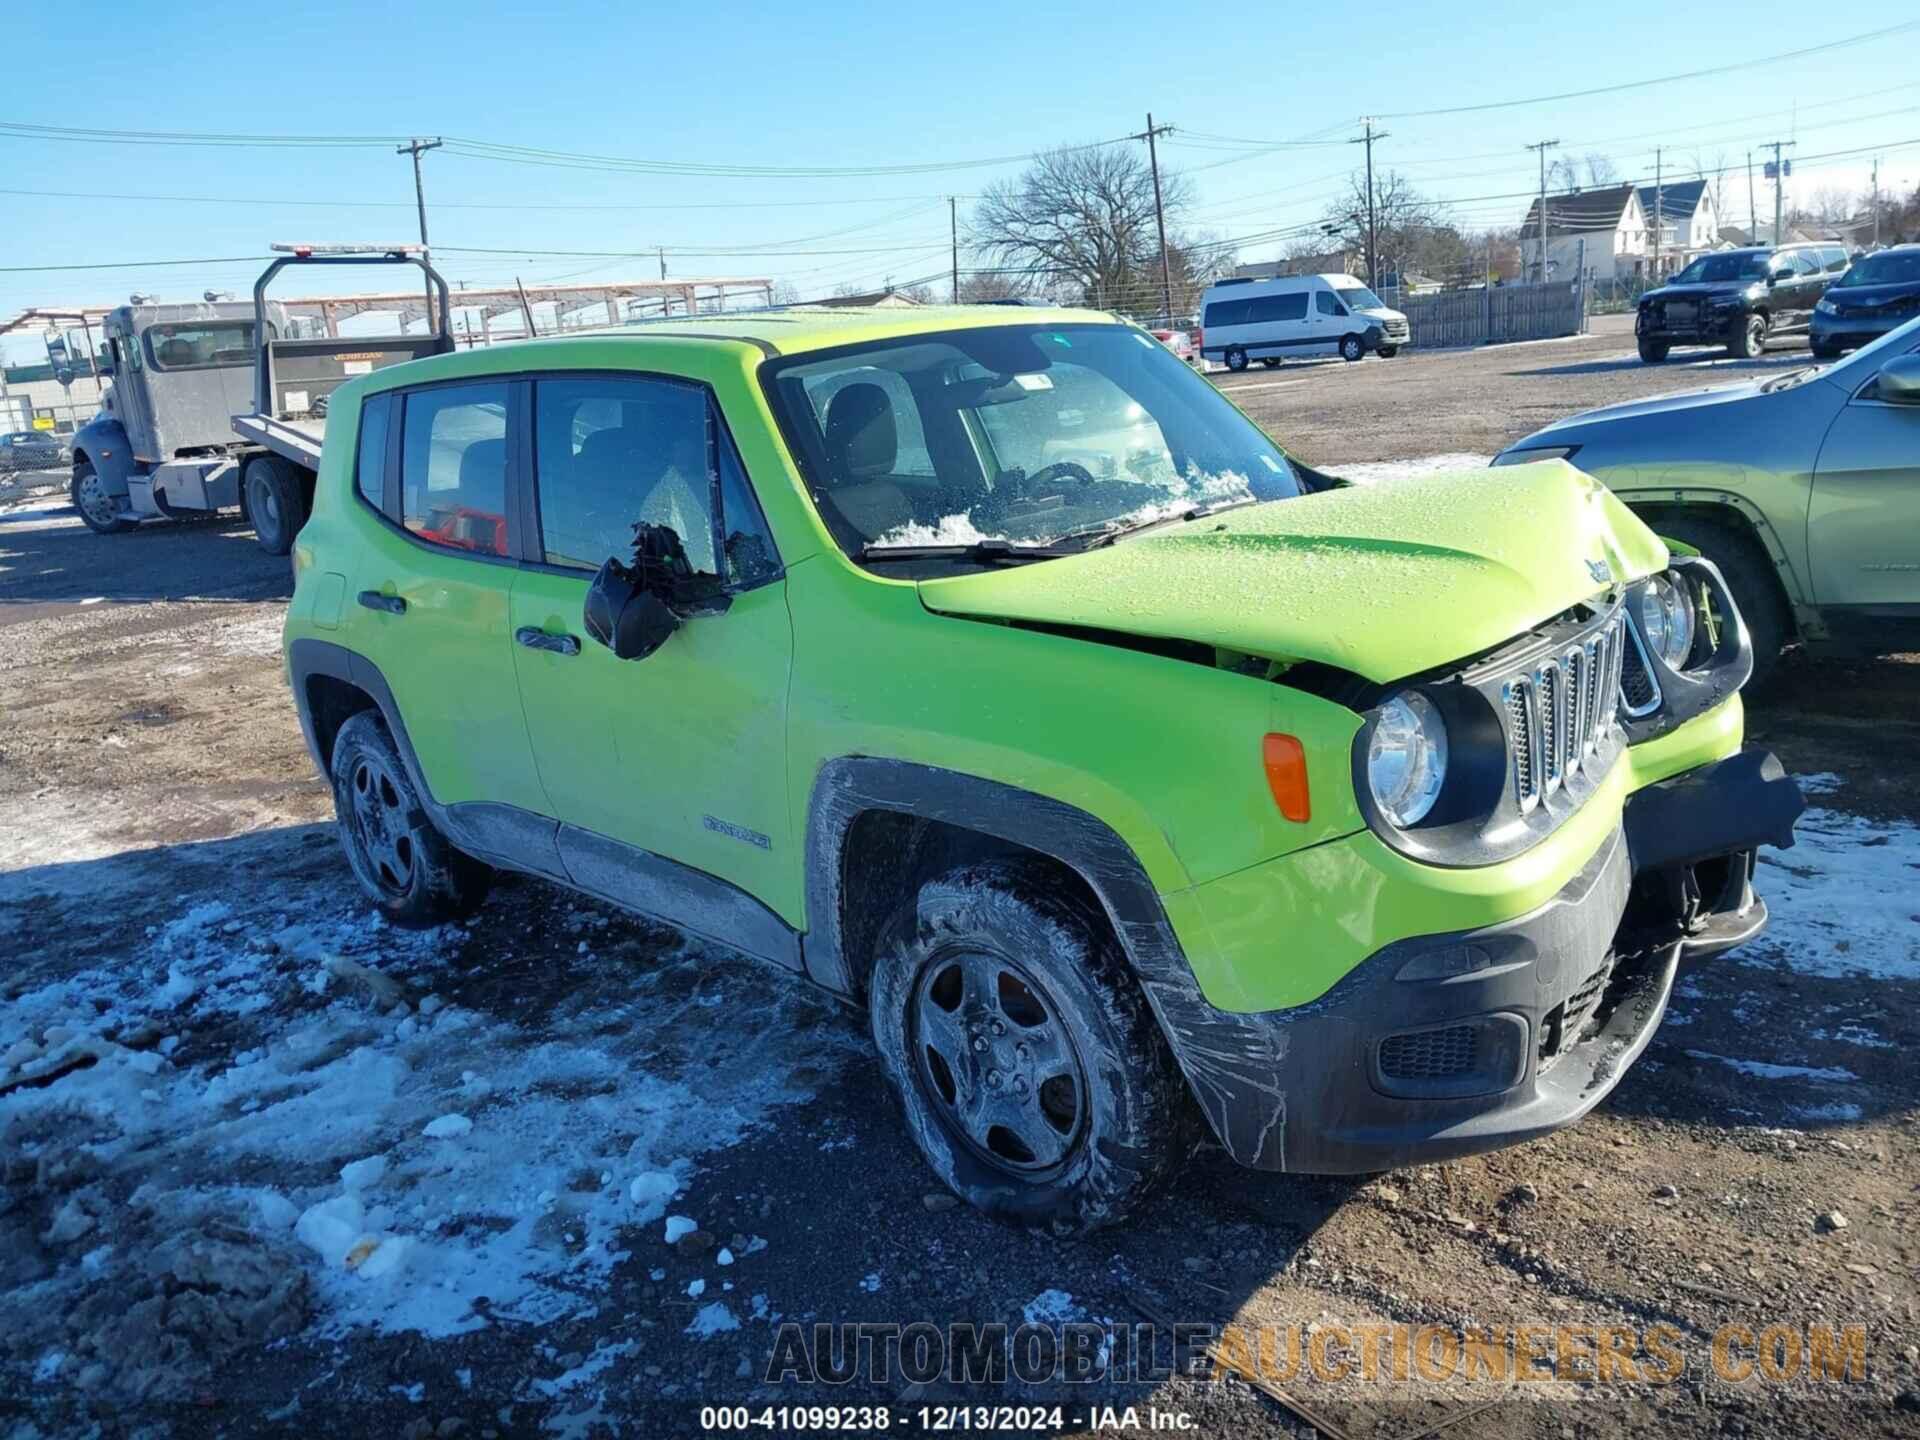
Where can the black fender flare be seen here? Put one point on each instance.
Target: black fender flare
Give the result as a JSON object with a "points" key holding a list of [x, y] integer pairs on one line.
{"points": [[1228, 1059]]}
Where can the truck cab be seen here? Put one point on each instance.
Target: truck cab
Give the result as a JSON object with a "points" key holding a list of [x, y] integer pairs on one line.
{"points": [[164, 441]]}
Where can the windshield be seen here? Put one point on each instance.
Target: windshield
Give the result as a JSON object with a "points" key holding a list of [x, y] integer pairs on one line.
{"points": [[1890, 267], [1025, 434], [1718, 269], [1358, 297]]}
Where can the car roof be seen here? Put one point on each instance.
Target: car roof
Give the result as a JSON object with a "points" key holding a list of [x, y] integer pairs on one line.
{"points": [[799, 329]]}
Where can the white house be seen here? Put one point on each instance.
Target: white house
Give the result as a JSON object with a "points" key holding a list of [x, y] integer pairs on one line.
{"points": [[1602, 232], [1689, 223]]}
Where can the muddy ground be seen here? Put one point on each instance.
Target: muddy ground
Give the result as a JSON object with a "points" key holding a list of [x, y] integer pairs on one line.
{"points": [[177, 914]]}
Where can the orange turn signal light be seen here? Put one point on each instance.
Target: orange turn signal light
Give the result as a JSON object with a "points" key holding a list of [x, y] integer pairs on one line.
{"points": [[1286, 761]]}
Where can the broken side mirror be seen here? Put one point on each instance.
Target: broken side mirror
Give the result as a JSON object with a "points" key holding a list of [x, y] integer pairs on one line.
{"points": [[627, 617]]}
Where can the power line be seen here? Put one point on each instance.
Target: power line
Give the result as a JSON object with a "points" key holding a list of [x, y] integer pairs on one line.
{"points": [[471, 205], [1728, 69]]}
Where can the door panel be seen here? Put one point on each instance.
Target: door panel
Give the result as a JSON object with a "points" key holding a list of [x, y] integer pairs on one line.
{"points": [[681, 753], [1863, 526], [432, 611]]}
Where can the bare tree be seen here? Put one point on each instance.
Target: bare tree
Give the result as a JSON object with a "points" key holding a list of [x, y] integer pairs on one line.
{"points": [[1081, 215], [1411, 232], [1601, 171], [984, 286]]}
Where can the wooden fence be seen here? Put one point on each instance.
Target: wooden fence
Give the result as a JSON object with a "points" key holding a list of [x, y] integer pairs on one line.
{"points": [[1505, 312]]}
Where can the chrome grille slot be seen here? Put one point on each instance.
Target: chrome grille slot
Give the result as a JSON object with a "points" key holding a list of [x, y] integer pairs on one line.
{"points": [[1519, 705], [1552, 707]]}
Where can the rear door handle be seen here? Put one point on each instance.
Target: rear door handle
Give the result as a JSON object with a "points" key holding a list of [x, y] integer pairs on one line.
{"points": [[375, 600], [535, 638]]}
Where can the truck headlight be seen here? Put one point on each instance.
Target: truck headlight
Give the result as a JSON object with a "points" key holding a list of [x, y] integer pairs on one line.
{"points": [[1407, 758], [1826, 307], [1667, 619]]}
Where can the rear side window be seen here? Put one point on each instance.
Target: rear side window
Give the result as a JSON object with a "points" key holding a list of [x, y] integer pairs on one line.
{"points": [[1273, 309], [453, 467], [370, 462]]}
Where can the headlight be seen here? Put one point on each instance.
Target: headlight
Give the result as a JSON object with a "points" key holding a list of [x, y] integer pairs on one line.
{"points": [[1545, 452], [1827, 307], [1407, 758], [1666, 619]]}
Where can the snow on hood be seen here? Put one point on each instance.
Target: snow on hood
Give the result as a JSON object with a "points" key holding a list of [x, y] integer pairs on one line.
{"points": [[1381, 581]]}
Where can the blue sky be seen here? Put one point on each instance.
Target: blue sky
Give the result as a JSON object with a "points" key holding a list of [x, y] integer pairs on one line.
{"points": [[855, 84]]}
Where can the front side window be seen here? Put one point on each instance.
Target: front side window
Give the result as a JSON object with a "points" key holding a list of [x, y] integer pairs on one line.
{"points": [[201, 346], [453, 467], [1032, 435], [1327, 304]]}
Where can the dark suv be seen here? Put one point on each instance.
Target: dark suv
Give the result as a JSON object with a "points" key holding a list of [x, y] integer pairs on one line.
{"points": [[1880, 293], [1738, 298]]}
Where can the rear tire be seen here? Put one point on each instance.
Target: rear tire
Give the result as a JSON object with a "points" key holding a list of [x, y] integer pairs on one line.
{"points": [[1654, 352], [1352, 348], [1750, 341], [96, 507], [407, 868], [276, 502], [1236, 359], [1271, 363], [1751, 578], [1031, 1071]]}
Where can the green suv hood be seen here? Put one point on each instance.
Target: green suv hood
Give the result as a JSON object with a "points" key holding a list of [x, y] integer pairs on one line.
{"points": [[1383, 581]]}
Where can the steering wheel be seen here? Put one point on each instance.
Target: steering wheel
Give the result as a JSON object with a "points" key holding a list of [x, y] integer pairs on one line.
{"points": [[1062, 470]]}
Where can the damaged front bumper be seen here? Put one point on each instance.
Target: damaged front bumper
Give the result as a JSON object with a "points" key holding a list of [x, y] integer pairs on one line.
{"points": [[1444, 1045]]}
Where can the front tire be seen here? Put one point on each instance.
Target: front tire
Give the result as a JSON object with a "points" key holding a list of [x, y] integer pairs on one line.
{"points": [[1654, 352], [1236, 359], [1031, 1071], [97, 508], [276, 502], [1823, 351], [407, 868], [1751, 578], [1750, 341], [1352, 348], [1387, 352]]}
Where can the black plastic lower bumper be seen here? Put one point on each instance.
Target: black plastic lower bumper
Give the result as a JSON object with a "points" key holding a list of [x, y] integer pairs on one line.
{"points": [[1447, 1045]]}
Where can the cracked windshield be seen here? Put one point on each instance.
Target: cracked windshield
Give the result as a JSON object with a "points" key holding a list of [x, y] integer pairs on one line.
{"points": [[1025, 435]]}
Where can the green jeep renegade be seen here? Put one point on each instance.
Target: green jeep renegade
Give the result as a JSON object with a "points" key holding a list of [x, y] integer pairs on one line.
{"points": [[1002, 678]]}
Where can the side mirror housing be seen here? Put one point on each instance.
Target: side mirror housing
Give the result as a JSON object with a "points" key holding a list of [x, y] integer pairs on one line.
{"points": [[1899, 381], [625, 616]]}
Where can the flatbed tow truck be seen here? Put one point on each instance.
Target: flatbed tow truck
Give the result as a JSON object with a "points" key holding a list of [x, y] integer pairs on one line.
{"points": [[218, 406]]}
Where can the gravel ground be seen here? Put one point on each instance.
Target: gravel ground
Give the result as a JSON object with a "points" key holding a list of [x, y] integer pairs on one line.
{"points": [[521, 1104]]}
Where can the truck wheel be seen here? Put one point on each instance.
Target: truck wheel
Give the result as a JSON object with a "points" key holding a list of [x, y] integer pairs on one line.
{"points": [[96, 506], [1654, 352], [1387, 352], [274, 503], [1236, 359], [407, 867], [1750, 341], [1823, 350], [1032, 1073], [1751, 578], [1352, 348]]}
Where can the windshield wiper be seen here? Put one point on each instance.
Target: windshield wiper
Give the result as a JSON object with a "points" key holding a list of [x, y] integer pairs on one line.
{"points": [[980, 552], [1108, 535]]}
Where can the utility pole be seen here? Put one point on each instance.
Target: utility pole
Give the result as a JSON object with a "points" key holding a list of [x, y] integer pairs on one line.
{"points": [[1753, 210], [663, 262], [1541, 149], [1367, 140], [1779, 182], [1160, 221], [1875, 202], [1659, 214], [416, 147], [953, 231]]}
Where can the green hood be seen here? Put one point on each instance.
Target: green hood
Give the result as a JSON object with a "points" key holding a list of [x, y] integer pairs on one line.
{"points": [[1382, 581]]}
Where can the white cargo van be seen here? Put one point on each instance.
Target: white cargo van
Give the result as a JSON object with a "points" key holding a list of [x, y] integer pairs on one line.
{"points": [[1268, 320]]}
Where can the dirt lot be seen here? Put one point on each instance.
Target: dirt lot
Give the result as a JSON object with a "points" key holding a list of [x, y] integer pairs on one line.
{"points": [[495, 1123]]}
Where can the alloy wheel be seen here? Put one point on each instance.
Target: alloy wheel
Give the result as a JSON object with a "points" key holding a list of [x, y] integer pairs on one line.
{"points": [[381, 831]]}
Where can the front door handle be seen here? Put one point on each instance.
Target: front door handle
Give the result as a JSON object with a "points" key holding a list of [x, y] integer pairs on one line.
{"points": [[535, 638], [375, 600]]}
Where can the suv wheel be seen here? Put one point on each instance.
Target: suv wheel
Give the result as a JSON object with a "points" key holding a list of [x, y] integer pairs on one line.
{"points": [[96, 506], [1236, 358], [408, 869], [1751, 340], [1352, 347], [1033, 1075], [1654, 352], [1822, 350], [275, 503], [1751, 578]]}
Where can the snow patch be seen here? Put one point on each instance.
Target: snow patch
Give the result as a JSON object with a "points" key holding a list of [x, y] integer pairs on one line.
{"points": [[1765, 1070]]}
